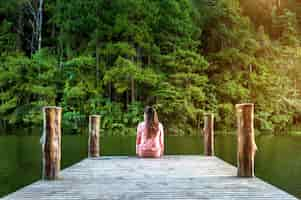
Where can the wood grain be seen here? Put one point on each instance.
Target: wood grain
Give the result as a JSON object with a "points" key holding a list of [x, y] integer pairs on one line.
{"points": [[51, 145], [169, 177], [93, 146], [209, 134], [246, 146]]}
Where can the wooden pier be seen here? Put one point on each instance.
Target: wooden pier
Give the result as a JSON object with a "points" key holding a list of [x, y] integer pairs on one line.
{"points": [[132, 178], [169, 177]]}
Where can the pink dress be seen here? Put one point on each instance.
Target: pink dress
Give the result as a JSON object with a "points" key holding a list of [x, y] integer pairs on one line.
{"points": [[149, 147]]}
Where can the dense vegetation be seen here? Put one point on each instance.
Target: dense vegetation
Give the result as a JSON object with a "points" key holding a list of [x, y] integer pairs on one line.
{"points": [[184, 57]]}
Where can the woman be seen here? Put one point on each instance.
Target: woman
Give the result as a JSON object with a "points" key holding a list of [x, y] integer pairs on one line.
{"points": [[150, 135]]}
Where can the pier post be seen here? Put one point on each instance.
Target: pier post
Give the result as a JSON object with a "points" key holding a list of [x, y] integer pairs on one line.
{"points": [[209, 134], [94, 124], [246, 146], [51, 142]]}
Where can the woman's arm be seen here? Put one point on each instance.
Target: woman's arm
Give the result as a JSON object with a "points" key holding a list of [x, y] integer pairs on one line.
{"points": [[138, 139], [161, 139]]}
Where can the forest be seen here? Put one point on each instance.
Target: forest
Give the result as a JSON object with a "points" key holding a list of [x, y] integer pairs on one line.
{"points": [[184, 57]]}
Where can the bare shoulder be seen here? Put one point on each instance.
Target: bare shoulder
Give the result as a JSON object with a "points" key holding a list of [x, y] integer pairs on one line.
{"points": [[161, 125], [141, 124]]}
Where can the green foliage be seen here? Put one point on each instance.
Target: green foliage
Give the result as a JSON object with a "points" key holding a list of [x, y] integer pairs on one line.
{"points": [[80, 85], [114, 121], [73, 122], [26, 86], [185, 57], [176, 28], [287, 25], [182, 94], [7, 38], [124, 71]]}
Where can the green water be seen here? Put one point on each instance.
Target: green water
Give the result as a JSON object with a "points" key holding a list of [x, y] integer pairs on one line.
{"points": [[278, 160]]}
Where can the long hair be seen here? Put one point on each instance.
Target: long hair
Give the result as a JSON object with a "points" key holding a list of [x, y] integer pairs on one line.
{"points": [[152, 122]]}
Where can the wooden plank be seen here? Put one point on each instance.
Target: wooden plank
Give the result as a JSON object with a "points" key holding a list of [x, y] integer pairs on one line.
{"points": [[170, 177]]}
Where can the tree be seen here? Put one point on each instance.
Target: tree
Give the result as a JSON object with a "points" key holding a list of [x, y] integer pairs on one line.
{"points": [[26, 86], [183, 92], [175, 28], [185, 57]]}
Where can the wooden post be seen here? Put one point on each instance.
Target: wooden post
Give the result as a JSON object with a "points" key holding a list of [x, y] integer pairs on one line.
{"points": [[94, 121], [246, 146], [209, 134], [51, 142]]}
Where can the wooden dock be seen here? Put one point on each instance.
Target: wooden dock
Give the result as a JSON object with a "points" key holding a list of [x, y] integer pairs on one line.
{"points": [[170, 177]]}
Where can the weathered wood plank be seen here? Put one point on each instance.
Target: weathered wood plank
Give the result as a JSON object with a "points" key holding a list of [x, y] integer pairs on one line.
{"points": [[170, 177]]}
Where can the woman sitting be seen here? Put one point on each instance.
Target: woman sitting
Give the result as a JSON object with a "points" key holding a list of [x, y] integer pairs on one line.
{"points": [[150, 135]]}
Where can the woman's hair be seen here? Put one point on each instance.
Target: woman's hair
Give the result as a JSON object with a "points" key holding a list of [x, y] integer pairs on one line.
{"points": [[152, 122]]}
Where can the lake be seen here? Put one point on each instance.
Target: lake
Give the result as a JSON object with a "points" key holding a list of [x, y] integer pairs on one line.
{"points": [[278, 160]]}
